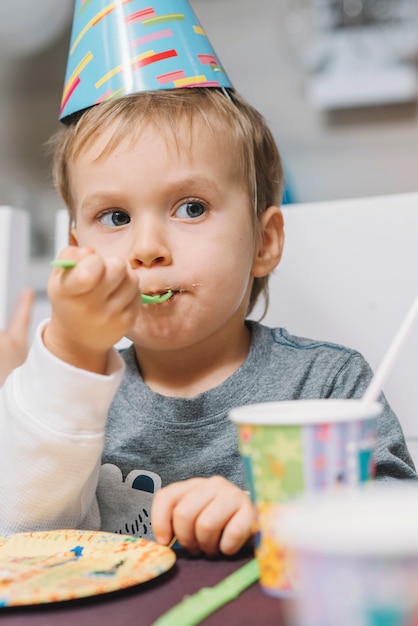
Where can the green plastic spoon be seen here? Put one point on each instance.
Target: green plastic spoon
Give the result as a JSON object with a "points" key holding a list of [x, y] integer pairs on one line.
{"points": [[67, 264], [146, 299]]}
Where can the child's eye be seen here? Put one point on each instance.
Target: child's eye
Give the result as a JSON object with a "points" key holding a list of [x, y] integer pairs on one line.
{"points": [[114, 218], [191, 210]]}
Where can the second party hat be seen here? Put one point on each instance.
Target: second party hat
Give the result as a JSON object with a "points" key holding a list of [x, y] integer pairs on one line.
{"points": [[127, 46]]}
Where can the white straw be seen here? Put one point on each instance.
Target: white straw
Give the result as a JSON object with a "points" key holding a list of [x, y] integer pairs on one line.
{"points": [[376, 384]]}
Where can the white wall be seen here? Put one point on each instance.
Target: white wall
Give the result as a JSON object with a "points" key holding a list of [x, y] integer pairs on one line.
{"points": [[347, 154]]}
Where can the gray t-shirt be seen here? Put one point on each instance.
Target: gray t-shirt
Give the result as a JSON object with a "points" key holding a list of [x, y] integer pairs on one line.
{"points": [[153, 440]]}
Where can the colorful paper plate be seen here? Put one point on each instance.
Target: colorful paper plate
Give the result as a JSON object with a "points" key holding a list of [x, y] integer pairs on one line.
{"points": [[56, 566]]}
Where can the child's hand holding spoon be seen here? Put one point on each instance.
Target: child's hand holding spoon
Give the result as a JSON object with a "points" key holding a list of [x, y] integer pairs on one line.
{"points": [[145, 298]]}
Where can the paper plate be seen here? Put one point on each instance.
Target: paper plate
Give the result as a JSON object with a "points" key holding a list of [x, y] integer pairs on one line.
{"points": [[56, 566]]}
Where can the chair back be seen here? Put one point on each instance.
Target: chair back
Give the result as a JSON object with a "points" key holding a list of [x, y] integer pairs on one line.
{"points": [[349, 274], [14, 258]]}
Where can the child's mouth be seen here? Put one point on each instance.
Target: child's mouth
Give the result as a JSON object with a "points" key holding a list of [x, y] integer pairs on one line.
{"points": [[156, 298]]}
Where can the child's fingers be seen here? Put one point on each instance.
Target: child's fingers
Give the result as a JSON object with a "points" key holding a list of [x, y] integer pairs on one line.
{"points": [[200, 515], [205, 514], [91, 272], [121, 279], [162, 510], [223, 523], [195, 519], [174, 511], [119, 296], [238, 529], [19, 324], [73, 253], [110, 274], [81, 278], [107, 275]]}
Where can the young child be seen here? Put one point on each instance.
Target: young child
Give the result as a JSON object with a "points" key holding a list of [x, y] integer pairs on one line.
{"points": [[174, 198], [169, 192], [14, 339]]}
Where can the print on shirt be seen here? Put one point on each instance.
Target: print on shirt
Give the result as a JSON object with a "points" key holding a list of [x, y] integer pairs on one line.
{"points": [[125, 505]]}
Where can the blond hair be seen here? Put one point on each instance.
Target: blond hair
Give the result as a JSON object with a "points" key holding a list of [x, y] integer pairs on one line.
{"points": [[229, 117]]}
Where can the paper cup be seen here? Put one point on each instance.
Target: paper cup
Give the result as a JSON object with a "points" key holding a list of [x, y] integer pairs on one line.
{"points": [[295, 447], [357, 557]]}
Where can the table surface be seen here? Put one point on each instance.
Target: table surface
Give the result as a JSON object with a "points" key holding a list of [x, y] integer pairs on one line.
{"points": [[142, 605]]}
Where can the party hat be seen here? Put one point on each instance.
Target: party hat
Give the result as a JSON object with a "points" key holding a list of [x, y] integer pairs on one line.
{"points": [[122, 47]]}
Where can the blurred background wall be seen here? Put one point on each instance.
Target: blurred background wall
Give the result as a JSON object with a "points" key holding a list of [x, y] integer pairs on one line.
{"points": [[271, 50]]}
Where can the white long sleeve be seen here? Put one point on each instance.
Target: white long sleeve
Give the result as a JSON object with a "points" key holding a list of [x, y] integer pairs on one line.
{"points": [[52, 425]]}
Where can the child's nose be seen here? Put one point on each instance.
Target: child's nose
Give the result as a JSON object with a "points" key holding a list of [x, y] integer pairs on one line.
{"points": [[149, 246]]}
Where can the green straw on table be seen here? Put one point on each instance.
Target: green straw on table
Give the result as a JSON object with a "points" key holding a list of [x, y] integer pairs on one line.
{"points": [[193, 609]]}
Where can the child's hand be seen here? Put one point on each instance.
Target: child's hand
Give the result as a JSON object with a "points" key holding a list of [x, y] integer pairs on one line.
{"points": [[94, 304], [209, 515], [14, 340]]}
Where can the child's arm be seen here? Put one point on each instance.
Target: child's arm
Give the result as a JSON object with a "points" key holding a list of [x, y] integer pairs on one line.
{"points": [[53, 409], [94, 304], [209, 515], [52, 425], [14, 340]]}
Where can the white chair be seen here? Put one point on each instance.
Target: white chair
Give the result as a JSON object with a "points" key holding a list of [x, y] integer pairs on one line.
{"points": [[349, 274], [14, 258], [40, 271], [62, 225]]}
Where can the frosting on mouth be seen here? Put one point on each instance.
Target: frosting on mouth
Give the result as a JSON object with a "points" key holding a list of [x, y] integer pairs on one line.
{"points": [[156, 298]]}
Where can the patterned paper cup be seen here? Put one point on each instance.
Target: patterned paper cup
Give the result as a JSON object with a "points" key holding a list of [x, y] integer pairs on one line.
{"points": [[356, 555], [295, 447]]}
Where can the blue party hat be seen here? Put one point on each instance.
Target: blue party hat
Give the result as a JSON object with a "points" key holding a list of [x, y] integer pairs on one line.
{"points": [[128, 46]]}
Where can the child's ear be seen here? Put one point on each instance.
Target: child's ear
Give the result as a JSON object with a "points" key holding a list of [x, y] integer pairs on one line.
{"points": [[73, 238], [270, 245]]}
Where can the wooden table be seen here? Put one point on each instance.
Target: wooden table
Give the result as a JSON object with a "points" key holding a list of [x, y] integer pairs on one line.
{"points": [[142, 605]]}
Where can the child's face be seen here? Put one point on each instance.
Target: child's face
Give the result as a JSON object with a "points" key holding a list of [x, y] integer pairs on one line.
{"points": [[182, 220]]}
